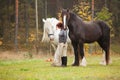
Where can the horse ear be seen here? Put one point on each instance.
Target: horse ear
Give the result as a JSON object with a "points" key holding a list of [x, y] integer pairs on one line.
{"points": [[68, 10], [60, 9], [43, 20]]}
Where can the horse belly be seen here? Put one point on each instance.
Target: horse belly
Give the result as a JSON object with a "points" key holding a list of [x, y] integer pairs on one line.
{"points": [[89, 38]]}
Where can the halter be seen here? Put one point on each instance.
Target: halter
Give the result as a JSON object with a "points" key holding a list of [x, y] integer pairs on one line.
{"points": [[50, 35]]}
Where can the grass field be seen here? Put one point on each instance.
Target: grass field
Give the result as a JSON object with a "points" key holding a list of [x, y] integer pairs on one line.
{"points": [[40, 69]]}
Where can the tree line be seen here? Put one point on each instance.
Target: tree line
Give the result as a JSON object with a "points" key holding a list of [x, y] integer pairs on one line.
{"points": [[46, 8]]}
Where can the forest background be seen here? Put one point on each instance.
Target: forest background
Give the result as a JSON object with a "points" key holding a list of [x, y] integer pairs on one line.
{"points": [[107, 10]]}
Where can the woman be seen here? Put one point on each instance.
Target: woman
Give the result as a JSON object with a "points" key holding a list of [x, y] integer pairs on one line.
{"points": [[60, 57]]}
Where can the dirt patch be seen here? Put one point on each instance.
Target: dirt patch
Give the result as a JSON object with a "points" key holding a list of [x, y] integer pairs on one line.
{"points": [[11, 55]]}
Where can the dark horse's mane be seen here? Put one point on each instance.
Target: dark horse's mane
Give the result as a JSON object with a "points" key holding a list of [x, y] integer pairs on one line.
{"points": [[73, 16]]}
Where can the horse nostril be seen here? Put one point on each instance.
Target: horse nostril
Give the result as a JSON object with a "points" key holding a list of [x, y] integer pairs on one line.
{"points": [[51, 39]]}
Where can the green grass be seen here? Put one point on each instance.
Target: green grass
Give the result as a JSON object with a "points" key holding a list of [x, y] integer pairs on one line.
{"points": [[39, 69]]}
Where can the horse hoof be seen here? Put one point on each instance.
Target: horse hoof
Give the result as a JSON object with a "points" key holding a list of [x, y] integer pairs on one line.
{"points": [[103, 63], [84, 65], [83, 62], [75, 64]]}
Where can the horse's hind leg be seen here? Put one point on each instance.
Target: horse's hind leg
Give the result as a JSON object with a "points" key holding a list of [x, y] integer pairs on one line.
{"points": [[105, 45]]}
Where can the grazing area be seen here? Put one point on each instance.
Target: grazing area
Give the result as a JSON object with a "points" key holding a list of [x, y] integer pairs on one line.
{"points": [[40, 69], [31, 41]]}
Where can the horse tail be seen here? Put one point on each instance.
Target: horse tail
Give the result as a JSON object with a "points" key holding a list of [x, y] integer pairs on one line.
{"points": [[105, 29], [105, 39]]}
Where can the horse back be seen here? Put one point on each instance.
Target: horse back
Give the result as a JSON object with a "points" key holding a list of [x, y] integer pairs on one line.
{"points": [[92, 32], [103, 25]]}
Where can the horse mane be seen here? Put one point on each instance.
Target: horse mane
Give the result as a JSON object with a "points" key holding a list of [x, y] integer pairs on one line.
{"points": [[73, 16]]}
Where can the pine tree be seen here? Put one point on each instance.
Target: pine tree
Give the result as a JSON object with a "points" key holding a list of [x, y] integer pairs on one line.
{"points": [[83, 10], [106, 16]]}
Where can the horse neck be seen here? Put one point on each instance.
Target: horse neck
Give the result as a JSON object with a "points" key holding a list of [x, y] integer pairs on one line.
{"points": [[73, 19]]}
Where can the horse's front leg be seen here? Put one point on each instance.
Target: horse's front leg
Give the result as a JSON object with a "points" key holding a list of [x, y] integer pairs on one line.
{"points": [[76, 60], [81, 50]]}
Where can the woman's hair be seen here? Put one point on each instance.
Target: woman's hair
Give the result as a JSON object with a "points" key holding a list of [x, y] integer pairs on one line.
{"points": [[60, 25]]}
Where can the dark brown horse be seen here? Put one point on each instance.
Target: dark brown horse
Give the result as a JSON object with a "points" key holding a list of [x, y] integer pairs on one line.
{"points": [[81, 32]]}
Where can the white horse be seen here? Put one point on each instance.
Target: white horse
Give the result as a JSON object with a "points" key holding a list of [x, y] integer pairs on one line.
{"points": [[51, 34], [50, 31]]}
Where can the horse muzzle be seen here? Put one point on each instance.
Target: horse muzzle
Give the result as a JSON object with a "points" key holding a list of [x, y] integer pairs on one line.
{"points": [[51, 36]]}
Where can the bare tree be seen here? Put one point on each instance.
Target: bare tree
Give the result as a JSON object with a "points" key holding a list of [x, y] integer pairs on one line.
{"points": [[36, 7], [26, 22], [16, 26]]}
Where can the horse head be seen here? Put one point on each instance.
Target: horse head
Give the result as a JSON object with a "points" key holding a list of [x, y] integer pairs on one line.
{"points": [[50, 30], [48, 33], [65, 17]]}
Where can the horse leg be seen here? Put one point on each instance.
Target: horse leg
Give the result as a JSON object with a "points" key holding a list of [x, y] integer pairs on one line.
{"points": [[57, 57], [105, 45], [103, 62], [81, 51], [76, 60], [54, 47]]}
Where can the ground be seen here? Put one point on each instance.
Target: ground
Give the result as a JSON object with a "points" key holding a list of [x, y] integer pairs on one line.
{"points": [[38, 67]]}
